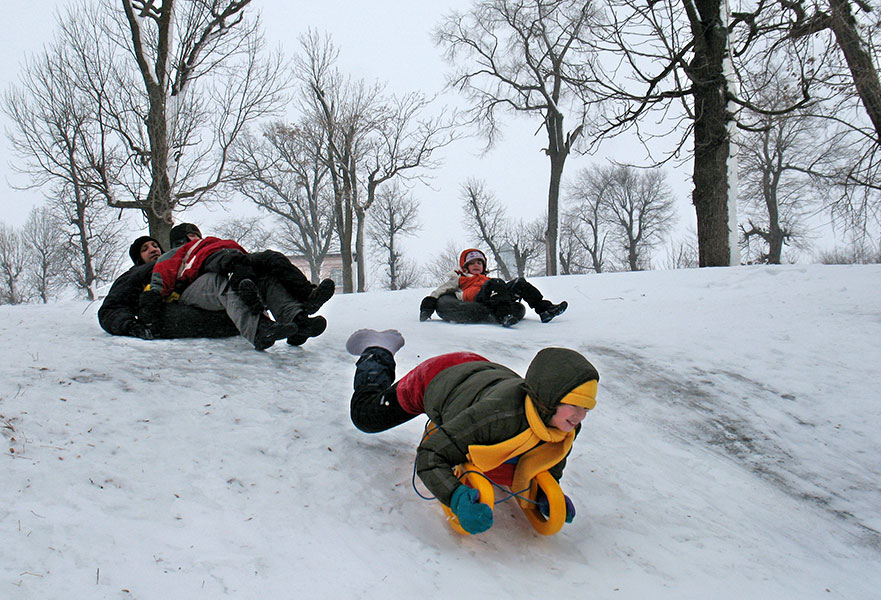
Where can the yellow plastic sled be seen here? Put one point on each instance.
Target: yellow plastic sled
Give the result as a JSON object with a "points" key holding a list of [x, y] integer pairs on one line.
{"points": [[472, 476]]}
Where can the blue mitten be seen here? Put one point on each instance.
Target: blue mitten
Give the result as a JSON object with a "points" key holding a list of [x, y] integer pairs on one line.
{"points": [[544, 506], [474, 517]]}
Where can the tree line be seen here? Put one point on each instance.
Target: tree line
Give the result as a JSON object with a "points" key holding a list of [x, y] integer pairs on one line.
{"points": [[154, 107]]}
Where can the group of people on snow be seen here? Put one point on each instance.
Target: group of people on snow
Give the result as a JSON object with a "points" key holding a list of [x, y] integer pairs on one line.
{"points": [[480, 412], [211, 287]]}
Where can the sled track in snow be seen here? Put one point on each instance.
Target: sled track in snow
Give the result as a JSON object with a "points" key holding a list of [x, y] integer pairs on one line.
{"points": [[720, 410]]}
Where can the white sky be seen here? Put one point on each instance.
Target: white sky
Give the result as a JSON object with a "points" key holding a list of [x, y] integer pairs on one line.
{"points": [[389, 41]]}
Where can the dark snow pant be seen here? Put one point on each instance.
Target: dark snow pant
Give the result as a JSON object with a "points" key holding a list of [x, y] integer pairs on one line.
{"points": [[500, 296], [282, 304], [211, 291], [275, 265], [374, 405]]}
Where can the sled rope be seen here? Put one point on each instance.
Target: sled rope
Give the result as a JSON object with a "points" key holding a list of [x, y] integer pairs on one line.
{"points": [[508, 494]]}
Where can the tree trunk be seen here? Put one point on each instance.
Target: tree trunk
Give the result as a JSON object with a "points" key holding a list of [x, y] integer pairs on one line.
{"points": [[558, 161], [346, 239], [159, 228], [711, 141], [359, 248], [865, 76]]}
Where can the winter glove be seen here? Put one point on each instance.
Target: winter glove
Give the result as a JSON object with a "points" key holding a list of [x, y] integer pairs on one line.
{"points": [[150, 310], [544, 506], [474, 516], [138, 330], [427, 308]]}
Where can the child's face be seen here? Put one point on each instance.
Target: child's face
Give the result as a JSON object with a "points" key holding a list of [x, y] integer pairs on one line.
{"points": [[567, 416], [474, 267]]}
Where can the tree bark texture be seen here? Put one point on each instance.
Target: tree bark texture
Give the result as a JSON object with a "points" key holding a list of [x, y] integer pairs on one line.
{"points": [[859, 61], [711, 141]]}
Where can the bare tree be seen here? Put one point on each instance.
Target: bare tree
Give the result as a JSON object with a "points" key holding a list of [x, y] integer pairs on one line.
{"points": [[681, 60], [284, 172], [346, 113], [513, 245], [486, 219], [528, 57], [526, 243], [92, 232], [682, 254], [249, 232], [13, 259], [166, 88], [778, 160], [849, 31], [45, 249], [395, 215], [855, 41], [446, 260], [370, 139], [857, 251], [199, 81], [586, 227], [402, 146], [60, 144], [639, 208], [573, 258]]}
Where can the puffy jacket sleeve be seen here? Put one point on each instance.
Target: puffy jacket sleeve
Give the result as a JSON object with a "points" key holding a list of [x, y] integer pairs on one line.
{"points": [[451, 285], [119, 310], [490, 421]]}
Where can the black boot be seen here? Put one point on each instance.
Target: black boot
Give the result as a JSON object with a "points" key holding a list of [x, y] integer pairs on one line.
{"points": [[551, 310], [375, 369], [427, 308], [269, 332], [308, 327], [506, 313], [319, 295]]}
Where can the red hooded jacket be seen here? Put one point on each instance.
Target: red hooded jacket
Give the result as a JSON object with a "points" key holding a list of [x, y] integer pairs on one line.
{"points": [[186, 264]]}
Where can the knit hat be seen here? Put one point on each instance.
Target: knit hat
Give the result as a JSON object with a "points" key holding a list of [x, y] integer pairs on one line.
{"points": [[561, 376], [178, 235], [135, 249], [469, 255]]}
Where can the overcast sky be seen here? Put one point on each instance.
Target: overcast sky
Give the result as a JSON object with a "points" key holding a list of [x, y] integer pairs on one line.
{"points": [[389, 41]]}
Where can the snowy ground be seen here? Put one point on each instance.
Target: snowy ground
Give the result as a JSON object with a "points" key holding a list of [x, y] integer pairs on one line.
{"points": [[734, 452]]}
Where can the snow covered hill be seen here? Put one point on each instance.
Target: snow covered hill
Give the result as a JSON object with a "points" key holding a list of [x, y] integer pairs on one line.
{"points": [[734, 452]]}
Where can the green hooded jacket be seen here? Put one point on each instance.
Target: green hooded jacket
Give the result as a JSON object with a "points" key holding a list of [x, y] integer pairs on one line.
{"points": [[483, 403]]}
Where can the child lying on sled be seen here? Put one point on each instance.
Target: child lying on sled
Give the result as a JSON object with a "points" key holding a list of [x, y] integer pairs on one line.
{"points": [[483, 413], [470, 283]]}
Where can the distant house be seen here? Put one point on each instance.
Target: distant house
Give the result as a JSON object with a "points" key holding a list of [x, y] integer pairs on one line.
{"points": [[506, 253], [332, 267]]}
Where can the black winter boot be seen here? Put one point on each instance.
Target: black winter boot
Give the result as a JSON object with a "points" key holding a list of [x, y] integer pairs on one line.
{"points": [[427, 308], [551, 310], [319, 295], [269, 332], [375, 368], [308, 327]]}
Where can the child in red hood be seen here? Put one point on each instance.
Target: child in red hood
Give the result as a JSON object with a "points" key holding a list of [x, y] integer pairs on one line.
{"points": [[470, 283]]}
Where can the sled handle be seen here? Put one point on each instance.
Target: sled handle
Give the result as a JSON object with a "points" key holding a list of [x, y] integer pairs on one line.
{"points": [[556, 502], [473, 477]]}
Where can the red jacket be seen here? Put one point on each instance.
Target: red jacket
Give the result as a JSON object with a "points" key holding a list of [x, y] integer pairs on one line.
{"points": [[186, 263], [470, 285], [411, 388]]}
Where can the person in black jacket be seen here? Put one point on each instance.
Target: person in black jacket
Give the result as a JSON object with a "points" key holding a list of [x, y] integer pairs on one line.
{"points": [[218, 274], [118, 314]]}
